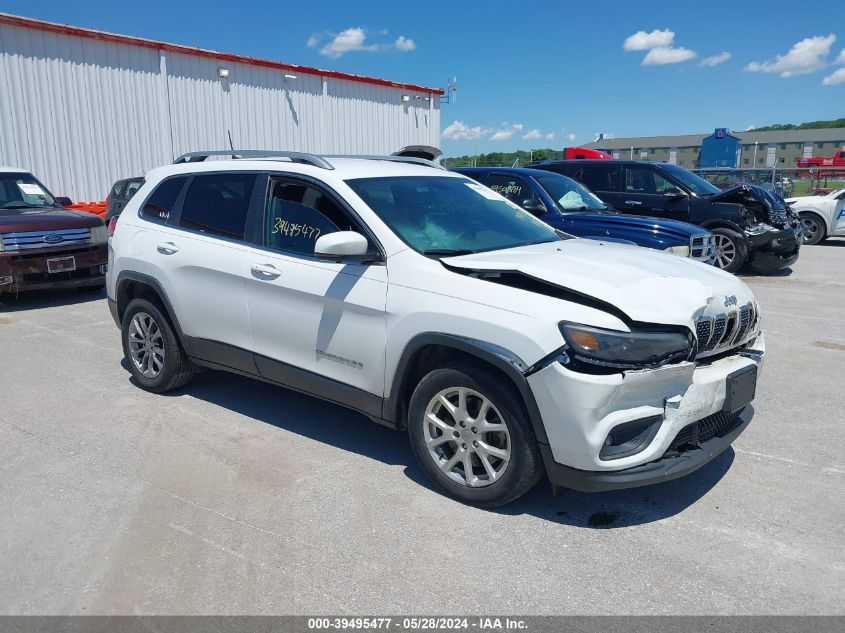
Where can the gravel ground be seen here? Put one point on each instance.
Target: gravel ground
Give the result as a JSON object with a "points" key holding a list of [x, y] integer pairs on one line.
{"points": [[233, 496]]}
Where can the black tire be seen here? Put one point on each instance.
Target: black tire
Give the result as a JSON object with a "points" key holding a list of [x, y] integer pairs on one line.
{"points": [[91, 289], [734, 260], [176, 370], [818, 231], [523, 469]]}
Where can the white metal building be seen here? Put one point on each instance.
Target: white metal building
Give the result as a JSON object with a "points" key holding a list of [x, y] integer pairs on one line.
{"points": [[83, 108]]}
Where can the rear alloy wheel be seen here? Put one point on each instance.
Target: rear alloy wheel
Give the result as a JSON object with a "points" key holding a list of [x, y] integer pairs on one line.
{"points": [[151, 349], [813, 228], [472, 436], [731, 251], [146, 345]]}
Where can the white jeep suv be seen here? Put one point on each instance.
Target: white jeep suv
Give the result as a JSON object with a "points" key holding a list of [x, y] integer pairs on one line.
{"points": [[433, 305]]}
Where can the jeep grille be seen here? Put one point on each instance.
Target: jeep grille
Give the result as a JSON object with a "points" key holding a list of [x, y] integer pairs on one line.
{"points": [[724, 331]]}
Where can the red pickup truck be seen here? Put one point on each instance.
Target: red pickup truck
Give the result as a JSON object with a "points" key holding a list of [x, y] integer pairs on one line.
{"points": [[819, 162]]}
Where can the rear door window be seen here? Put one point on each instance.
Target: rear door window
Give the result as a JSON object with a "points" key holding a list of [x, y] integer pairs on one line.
{"points": [[218, 204], [600, 177], [160, 204]]}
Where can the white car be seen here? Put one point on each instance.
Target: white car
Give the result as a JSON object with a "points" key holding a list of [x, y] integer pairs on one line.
{"points": [[821, 216], [434, 305]]}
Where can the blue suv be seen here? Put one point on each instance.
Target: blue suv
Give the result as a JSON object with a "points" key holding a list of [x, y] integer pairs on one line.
{"points": [[571, 207]]}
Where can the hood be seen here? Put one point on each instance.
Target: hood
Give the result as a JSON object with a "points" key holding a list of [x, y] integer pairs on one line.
{"points": [[644, 285], [640, 224], [15, 220], [746, 192]]}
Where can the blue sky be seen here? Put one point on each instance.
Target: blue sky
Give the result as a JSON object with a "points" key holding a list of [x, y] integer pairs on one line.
{"points": [[533, 74]]}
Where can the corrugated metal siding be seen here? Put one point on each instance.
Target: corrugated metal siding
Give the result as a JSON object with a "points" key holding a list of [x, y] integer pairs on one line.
{"points": [[81, 113]]}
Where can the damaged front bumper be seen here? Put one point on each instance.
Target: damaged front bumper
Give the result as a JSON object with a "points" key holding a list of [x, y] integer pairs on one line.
{"points": [[776, 249], [581, 411]]}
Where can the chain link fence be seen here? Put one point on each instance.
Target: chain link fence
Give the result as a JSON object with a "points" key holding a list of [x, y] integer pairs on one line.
{"points": [[786, 182]]}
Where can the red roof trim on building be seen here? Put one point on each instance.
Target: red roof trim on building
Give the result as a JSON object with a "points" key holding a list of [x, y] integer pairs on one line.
{"points": [[52, 27]]}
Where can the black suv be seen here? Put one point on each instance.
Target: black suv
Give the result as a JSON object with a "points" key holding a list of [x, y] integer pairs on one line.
{"points": [[121, 193], [751, 225]]}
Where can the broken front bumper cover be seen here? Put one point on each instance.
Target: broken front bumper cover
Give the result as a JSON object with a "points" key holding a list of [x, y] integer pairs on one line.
{"points": [[776, 249], [580, 412], [666, 468]]}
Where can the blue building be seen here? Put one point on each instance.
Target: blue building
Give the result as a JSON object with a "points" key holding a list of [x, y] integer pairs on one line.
{"points": [[720, 149]]}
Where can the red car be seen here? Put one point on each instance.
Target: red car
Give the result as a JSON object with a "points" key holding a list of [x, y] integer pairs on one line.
{"points": [[44, 245]]}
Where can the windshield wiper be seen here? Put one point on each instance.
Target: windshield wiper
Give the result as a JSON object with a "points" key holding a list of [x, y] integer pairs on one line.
{"points": [[448, 251]]}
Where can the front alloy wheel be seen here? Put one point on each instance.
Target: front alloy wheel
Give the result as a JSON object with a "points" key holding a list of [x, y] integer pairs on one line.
{"points": [[472, 436], [725, 251], [812, 229], [466, 437]]}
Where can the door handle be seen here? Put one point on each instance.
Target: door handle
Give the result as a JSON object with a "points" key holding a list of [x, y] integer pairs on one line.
{"points": [[167, 248], [634, 202], [267, 270]]}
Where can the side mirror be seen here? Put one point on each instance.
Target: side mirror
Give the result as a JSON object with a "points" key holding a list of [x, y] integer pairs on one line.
{"points": [[534, 207], [674, 194], [65, 202], [341, 245]]}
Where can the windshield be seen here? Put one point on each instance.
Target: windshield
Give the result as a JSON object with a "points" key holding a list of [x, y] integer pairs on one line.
{"points": [[22, 190], [691, 181], [441, 215], [569, 196]]}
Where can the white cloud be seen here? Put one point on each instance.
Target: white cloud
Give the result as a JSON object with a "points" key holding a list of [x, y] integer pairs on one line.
{"points": [[841, 58], [668, 55], [501, 135], [642, 41], [347, 41], [807, 56], [550, 136], [535, 133], [715, 60], [571, 136], [836, 77], [354, 40], [504, 133], [459, 131], [404, 44]]}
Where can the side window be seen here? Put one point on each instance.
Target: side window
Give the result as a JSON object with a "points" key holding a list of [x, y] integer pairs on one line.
{"points": [[645, 180], [131, 187], [160, 203], [117, 190], [511, 187], [218, 204], [297, 213], [601, 177]]}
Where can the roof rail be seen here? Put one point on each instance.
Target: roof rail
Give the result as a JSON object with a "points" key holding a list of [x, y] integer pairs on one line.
{"points": [[295, 157], [392, 159]]}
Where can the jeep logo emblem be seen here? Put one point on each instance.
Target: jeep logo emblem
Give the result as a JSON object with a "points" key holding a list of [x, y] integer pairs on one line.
{"points": [[730, 301], [53, 238]]}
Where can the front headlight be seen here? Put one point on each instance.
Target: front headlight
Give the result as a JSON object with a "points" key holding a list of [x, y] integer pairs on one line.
{"points": [[625, 350], [99, 234], [682, 250]]}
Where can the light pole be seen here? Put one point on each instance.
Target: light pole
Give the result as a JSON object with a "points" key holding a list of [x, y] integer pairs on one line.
{"points": [[754, 161], [632, 153]]}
